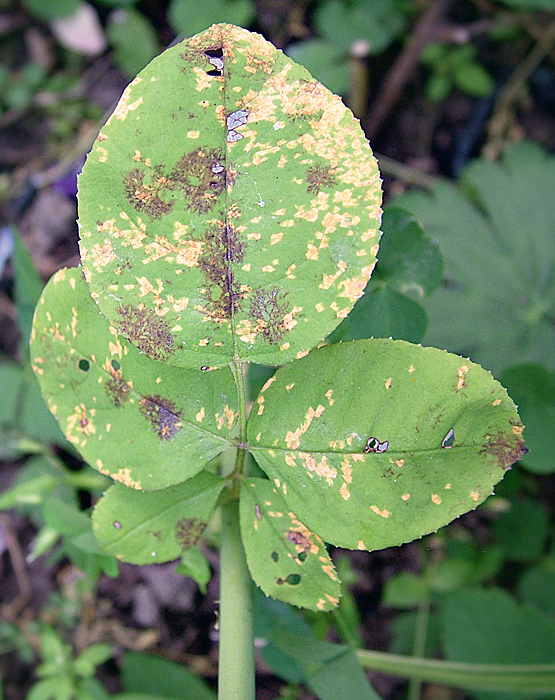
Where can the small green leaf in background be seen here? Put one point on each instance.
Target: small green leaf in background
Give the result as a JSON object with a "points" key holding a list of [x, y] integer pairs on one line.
{"points": [[194, 564], [137, 420], [489, 627], [313, 419], [378, 23], [522, 531], [324, 60], [285, 559], [133, 39], [405, 590], [28, 288], [157, 526], [47, 10], [162, 678], [532, 386], [537, 586], [495, 230], [410, 267], [188, 246], [189, 18]]}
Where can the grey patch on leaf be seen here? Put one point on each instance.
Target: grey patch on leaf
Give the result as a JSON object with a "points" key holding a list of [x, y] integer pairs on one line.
{"points": [[233, 120], [374, 445], [162, 414], [448, 440]]}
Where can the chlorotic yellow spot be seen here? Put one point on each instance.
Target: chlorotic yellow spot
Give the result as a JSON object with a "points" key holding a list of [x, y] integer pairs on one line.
{"points": [[411, 369], [447, 486], [388, 383], [497, 402], [383, 513], [400, 462], [475, 496], [405, 496], [361, 545], [344, 491], [462, 377], [436, 499], [200, 415]]}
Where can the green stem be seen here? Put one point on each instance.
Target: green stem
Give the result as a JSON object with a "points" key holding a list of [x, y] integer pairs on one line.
{"points": [[533, 679], [237, 369], [419, 646], [236, 676]]}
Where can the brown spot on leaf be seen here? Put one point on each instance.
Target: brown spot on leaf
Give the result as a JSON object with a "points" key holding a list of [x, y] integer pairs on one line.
{"points": [[506, 449], [188, 532], [144, 189], [319, 176], [300, 539], [162, 414], [269, 309], [223, 248], [201, 176], [117, 390], [147, 331]]}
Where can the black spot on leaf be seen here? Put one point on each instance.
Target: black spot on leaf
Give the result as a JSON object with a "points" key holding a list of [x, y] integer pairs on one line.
{"points": [[188, 532], [162, 414], [275, 556], [505, 449], [149, 332], [269, 306], [319, 176], [292, 580]]}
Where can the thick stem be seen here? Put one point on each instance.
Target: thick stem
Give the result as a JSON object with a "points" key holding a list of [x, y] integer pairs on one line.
{"points": [[236, 677]]}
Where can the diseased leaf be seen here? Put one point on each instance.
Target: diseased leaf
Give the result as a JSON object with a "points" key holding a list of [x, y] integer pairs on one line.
{"points": [[230, 206], [497, 303], [154, 527], [378, 442], [285, 559], [139, 421], [409, 268]]}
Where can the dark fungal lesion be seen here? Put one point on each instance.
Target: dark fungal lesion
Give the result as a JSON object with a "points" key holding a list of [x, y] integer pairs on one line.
{"points": [[223, 247], [201, 176], [188, 532], [504, 448], [211, 58], [299, 539], [149, 332], [318, 176], [117, 390], [162, 414], [145, 189], [269, 308]]}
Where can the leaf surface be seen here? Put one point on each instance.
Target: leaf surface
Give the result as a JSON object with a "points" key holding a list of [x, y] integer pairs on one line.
{"points": [[441, 432], [139, 421], [285, 559], [158, 526], [229, 209]]}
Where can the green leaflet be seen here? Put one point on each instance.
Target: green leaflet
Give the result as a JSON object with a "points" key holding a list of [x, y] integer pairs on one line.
{"points": [[139, 421], [229, 208], [154, 527], [285, 559], [440, 429]]}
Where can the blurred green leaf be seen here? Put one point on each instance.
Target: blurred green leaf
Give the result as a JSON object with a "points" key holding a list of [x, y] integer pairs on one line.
{"points": [[326, 61], [537, 586], [188, 18], [377, 23], [405, 590], [194, 564], [133, 39], [28, 288], [474, 79], [522, 531], [497, 303], [532, 387], [144, 674], [47, 10]]}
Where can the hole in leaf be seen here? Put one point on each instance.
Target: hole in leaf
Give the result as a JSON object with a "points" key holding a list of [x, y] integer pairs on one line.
{"points": [[116, 365], [449, 439], [374, 445], [216, 58], [275, 556], [302, 556], [84, 365], [293, 579], [117, 525]]}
